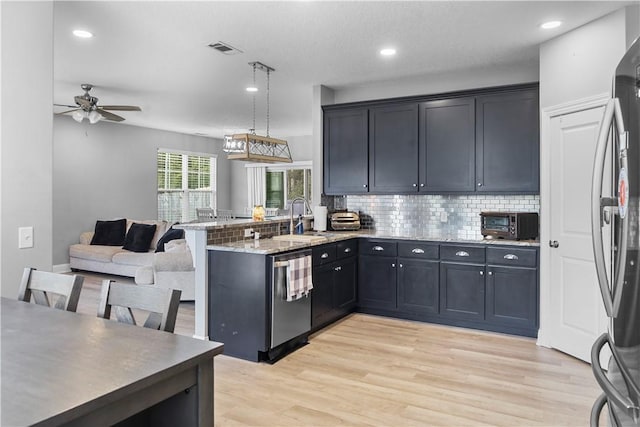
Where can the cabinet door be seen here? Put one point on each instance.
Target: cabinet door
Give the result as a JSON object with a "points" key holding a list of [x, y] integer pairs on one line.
{"points": [[512, 296], [507, 142], [393, 149], [344, 285], [447, 145], [346, 151], [321, 295], [462, 290], [418, 283], [377, 282]]}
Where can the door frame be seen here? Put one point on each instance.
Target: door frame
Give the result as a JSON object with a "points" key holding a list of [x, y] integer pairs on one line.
{"points": [[546, 114]]}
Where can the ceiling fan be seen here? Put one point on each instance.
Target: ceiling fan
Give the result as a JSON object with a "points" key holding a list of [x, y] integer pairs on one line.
{"points": [[87, 107]]}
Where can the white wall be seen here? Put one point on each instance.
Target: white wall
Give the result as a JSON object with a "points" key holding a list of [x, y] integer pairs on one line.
{"points": [[108, 170], [26, 163], [301, 149], [582, 62], [439, 83]]}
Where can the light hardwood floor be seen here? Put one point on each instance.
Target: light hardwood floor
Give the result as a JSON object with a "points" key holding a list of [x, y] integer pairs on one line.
{"points": [[373, 371]]}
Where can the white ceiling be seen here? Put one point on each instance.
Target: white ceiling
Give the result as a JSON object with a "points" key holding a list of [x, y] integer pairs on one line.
{"points": [[155, 54]]}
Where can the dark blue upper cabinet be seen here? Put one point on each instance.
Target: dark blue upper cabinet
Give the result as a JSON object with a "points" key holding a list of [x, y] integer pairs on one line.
{"points": [[447, 145], [465, 142], [393, 148], [507, 142], [346, 152]]}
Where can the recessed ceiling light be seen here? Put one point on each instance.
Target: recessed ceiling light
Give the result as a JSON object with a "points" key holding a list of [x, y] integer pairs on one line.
{"points": [[252, 89], [388, 52], [82, 34], [551, 24]]}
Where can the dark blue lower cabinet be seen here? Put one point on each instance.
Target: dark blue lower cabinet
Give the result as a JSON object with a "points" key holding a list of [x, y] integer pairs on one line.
{"points": [[498, 292], [462, 291], [377, 282], [334, 291], [512, 296], [418, 282]]}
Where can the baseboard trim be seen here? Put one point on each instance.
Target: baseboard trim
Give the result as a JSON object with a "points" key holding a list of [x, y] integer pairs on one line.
{"points": [[62, 268]]}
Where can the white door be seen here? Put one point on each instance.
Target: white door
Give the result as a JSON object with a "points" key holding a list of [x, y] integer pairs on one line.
{"points": [[576, 310]]}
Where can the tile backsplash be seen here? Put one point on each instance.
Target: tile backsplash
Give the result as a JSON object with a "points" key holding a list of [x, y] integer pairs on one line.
{"points": [[435, 215]]}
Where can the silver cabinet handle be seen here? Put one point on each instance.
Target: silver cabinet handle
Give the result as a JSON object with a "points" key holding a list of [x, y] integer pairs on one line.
{"points": [[378, 248], [612, 113], [479, 184], [417, 251], [491, 273], [482, 273], [347, 250], [401, 265], [337, 269], [462, 253], [421, 185], [553, 243], [364, 185], [393, 265], [414, 185], [324, 255], [510, 256]]}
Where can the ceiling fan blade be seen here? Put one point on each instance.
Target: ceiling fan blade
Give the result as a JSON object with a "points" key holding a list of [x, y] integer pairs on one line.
{"points": [[109, 116], [68, 111], [65, 105], [120, 107]]}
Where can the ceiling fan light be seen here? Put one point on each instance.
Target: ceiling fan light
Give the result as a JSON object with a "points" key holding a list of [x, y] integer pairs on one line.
{"points": [[78, 116], [94, 117]]}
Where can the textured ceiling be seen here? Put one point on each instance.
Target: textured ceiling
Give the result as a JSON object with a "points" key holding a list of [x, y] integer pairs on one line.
{"points": [[155, 54]]}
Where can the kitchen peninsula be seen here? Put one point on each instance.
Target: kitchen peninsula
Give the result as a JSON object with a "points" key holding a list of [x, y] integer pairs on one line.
{"points": [[485, 284]]}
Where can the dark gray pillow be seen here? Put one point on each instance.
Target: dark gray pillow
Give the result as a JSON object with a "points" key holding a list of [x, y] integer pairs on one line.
{"points": [[109, 233], [171, 234], [139, 237]]}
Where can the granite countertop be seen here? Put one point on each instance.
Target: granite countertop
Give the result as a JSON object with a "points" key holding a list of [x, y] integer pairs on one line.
{"points": [[271, 246], [215, 225]]}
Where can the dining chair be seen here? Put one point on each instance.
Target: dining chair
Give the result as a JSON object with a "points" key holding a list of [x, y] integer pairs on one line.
{"points": [[161, 303], [42, 285]]}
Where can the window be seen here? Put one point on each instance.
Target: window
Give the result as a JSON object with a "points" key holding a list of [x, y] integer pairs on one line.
{"points": [[186, 181], [284, 183]]}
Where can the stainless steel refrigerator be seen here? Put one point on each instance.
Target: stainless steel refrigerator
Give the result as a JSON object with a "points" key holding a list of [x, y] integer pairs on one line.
{"points": [[619, 271]]}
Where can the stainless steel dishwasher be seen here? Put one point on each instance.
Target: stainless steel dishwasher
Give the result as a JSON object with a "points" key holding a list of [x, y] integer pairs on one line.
{"points": [[289, 319]]}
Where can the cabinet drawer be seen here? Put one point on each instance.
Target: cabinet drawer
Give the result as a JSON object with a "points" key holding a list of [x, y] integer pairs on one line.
{"points": [[347, 248], [378, 247], [462, 253], [418, 250], [323, 254], [512, 256]]}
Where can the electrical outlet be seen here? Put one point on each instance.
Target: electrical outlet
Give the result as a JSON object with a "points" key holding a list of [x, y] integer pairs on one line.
{"points": [[25, 237], [248, 232], [443, 216]]}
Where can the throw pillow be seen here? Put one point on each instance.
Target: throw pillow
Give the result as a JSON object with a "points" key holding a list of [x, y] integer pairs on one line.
{"points": [[176, 246], [139, 237], [171, 234], [109, 233]]}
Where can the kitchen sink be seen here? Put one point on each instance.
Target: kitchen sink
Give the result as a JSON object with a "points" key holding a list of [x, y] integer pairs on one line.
{"points": [[309, 238]]}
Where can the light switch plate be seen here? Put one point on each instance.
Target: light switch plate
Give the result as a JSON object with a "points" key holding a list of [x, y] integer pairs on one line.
{"points": [[25, 237]]}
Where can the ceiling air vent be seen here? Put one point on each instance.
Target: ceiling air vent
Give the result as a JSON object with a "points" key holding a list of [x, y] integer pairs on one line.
{"points": [[225, 48]]}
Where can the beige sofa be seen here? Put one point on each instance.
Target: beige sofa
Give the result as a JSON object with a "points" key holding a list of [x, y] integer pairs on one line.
{"points": [[173, 269]]}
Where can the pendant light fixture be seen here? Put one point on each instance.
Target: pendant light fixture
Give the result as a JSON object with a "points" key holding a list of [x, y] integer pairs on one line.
{"points": [[252, 147]]}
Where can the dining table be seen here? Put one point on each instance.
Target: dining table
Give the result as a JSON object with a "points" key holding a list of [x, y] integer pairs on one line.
{"points": [[64, 368]]}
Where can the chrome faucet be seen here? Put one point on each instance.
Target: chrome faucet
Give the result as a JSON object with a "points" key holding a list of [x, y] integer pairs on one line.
{"points": [[306, 204]]}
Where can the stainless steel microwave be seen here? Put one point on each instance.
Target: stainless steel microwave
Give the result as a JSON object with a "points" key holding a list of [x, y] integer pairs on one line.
{"points": [[509, 225]]}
